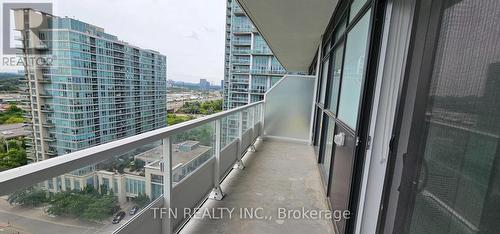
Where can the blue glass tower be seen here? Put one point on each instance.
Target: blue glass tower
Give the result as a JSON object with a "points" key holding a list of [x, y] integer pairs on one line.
{"points": [[96, 88], [250, 66]]}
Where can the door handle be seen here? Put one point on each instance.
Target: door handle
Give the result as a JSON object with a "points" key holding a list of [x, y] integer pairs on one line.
{"points": [[339, 139]]}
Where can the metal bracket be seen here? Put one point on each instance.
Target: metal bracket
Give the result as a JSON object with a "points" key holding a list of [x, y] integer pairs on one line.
{"points": [[339, 139], [252, 149], [368, 142], [239, 165], [216, 193]]}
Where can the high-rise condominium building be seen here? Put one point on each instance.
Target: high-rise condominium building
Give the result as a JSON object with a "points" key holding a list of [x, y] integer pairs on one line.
{"points": [[204, 84], [250, 66], [96, 88]]}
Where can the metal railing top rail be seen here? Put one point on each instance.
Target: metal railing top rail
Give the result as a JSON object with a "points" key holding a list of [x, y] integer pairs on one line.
{"points": [[14, 179]]}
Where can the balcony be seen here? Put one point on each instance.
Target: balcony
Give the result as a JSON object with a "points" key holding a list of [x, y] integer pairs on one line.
{"points": [[242, 81], [238, 11], [272, 177], [241, 61], [243, 29], [241, 51], [241, 42], [184, 165], [267, 71], [240, 71], [49, 124], [263, 51]]}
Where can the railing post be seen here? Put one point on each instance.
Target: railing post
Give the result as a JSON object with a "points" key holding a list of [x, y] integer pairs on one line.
{"points": [[217, 193], [167, 222], [254, 108], [239, 164], [262, 113]]}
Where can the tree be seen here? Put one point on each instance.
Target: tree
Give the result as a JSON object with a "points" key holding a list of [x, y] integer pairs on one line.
{"points": [[10, 82], [205, 108], [13, 158], [142, 200], [88, 204], [28, 197], [136, 164], [203, 134], [190, 108], [175, 119], [13, 114], [210, 107], [68, 203], [104, 189], [101, 208]]}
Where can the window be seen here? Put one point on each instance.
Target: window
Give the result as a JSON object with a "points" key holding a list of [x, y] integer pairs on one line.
{"points": [[353, 72], [67, 184], [260, 63], [156, 178], [260, 45], [50, 184], [355, 7], [328, 144], [324, 78], [335, 74], [156, 190], [59, 183], [105, 183], [115, 185], [77, 185], [276, 65], [455, 146]]}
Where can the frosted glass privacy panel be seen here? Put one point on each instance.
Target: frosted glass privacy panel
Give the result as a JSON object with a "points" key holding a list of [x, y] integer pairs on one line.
{"points": [[288, 108]]}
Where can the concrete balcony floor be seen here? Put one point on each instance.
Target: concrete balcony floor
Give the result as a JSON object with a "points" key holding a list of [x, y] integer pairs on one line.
{"points": [[278, 175]]}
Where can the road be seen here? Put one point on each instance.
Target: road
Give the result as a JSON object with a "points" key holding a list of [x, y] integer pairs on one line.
{"points": [[25, 220], [25, 225]]}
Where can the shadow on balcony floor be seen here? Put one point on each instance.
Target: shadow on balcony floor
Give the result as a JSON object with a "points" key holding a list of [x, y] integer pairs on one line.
{"points": [[278, 175]]}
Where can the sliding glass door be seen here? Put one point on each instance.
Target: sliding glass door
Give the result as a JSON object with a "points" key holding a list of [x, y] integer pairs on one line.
{"points": [[451, 172], [343, 74]]}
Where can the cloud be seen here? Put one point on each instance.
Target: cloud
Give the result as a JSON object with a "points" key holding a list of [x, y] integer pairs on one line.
{"points": [[208, 29], [190, 33], [193, 35]]}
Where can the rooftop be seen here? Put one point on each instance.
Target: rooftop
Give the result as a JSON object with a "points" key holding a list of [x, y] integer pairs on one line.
{"points": [[179, 156], [13, 130]]}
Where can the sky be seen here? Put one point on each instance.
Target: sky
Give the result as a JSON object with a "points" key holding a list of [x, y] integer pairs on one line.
{"points": [[189, 32]]}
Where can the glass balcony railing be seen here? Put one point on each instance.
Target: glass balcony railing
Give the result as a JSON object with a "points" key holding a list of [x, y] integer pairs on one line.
{"points": [[240, 61], [237, 10], [268, 71], [246, 29], [261, 51], [244, 81], [241, 42], [240, 70], [94, 190], [241, 51]]}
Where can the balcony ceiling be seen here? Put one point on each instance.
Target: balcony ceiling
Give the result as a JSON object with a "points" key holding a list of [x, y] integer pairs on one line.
{"points": [[292, 28]]}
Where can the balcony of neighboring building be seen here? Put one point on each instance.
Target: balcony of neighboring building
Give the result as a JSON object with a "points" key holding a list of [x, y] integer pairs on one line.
{"points": [[237, 10]]}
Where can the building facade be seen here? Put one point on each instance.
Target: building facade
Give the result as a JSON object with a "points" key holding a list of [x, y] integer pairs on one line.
{"points": [[130, 183], [250, 67], [204, 85], [96, 88]]}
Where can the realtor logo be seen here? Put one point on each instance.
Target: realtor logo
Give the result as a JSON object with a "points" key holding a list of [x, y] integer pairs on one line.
{"points": [[6, 19]]}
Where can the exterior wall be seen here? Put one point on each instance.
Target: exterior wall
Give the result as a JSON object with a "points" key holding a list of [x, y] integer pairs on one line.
{"points": [[250, 67]]}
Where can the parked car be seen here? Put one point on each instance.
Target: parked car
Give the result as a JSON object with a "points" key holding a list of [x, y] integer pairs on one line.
{"points": [[118, 217], [133, 210]]}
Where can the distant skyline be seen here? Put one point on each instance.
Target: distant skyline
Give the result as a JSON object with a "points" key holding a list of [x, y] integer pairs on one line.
{"points": [[189, 33]]}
